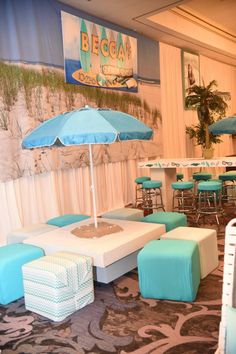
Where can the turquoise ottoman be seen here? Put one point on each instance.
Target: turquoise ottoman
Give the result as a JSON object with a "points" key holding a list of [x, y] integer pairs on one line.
{"points": [[124, 214], [170, 219], [12, 258], [67, 219], [230, 330], [169, 269]]}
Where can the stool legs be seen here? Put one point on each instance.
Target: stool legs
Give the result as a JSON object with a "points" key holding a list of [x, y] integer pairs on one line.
{"points": [[185, 200], [229, 191], [150, 199], [209, 203], [138, 195]]}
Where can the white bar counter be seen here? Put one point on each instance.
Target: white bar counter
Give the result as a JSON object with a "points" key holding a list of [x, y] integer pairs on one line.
{"points": [[165, 171]]}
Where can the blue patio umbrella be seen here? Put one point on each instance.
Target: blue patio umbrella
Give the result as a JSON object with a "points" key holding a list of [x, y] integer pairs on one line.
{"points": [[87, 126], [224, 126]]}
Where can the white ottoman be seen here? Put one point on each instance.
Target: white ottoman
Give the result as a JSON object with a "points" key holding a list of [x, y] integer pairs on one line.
{"points": [[124, 214], [19, 235], [207, 243], [56, 286]]}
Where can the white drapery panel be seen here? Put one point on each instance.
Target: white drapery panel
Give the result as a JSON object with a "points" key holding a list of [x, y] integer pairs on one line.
{"points": [[172, 102], [174, 117], [30, 200], [225, 75]]}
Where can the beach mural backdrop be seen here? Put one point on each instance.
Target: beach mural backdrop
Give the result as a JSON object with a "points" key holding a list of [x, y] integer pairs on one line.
{"points": [[31, 94], [98, 56]]}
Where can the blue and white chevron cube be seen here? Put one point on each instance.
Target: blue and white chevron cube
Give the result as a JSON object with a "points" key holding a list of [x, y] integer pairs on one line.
{"points": [[55, 286]]}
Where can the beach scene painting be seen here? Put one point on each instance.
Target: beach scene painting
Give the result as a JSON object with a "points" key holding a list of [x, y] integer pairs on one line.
{"points": [[98, 56]]}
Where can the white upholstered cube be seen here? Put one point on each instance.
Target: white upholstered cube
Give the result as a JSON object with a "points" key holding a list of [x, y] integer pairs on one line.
{"points": [[56, 286], [207, 243], [19, 235], [124, 214]]}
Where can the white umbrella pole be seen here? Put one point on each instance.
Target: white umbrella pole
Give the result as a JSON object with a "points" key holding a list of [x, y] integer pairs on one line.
{"points": [[92, 186]]}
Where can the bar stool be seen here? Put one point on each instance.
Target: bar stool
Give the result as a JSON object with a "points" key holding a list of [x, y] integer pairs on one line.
{"points": [[209, 199], [183, 194], [139, 189], [152, 196], [179, 177], [200, 177], [228, 186]]}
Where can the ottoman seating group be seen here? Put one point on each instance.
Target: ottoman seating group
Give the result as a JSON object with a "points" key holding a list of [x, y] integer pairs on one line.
{"points": [[57, 285], [171, 268]]}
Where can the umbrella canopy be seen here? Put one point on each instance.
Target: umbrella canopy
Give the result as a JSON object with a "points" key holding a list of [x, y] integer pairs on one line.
{"points": [[224, 126], [87, 126]]}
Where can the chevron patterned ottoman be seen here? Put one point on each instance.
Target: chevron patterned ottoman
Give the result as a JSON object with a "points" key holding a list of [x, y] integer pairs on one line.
{"points": [[55, 286]]}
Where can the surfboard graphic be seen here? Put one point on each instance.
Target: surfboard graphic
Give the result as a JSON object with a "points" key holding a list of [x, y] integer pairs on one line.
{"points": [[104, 53], [112, 57], [95, 59], [128, 53], [85, 56], [120, 51]]}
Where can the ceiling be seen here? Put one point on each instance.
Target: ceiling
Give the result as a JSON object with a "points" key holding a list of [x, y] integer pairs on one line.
{"points": [[150, 18]]}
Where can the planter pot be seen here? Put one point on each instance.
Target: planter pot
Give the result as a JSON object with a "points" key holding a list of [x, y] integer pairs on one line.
{"points": [[208, 153]]}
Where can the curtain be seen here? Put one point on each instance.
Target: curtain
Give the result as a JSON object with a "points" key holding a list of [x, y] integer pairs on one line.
{"points": [[35, 199], [175, 118], [172, 102]]}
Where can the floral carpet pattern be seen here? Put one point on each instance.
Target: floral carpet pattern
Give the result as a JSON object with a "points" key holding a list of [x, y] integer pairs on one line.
{"points": [[121, 321]]}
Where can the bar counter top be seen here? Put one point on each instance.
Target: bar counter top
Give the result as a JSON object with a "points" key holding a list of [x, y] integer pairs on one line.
{"points": [[189, 162]]}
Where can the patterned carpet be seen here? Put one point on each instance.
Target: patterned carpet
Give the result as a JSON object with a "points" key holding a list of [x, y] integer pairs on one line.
{"points": [[121, 321]]}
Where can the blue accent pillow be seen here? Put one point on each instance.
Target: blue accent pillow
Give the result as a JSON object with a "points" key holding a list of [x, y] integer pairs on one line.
{"points": [[67, 219]]}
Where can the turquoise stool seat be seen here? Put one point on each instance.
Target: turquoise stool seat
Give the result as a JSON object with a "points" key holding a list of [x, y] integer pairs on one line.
{"points": [[170, 219], [151, 184], [67, 219], [140, 180], [209, 186], [12, 258], [182, 185], [169, 269], [179, 176], [228, 176], [202, 176]]}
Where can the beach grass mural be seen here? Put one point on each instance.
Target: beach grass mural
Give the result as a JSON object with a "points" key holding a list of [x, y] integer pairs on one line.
{"points": [[31, 94]]}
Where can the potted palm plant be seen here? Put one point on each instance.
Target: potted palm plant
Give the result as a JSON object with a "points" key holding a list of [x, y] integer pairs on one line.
{"points": [[211, 106]]}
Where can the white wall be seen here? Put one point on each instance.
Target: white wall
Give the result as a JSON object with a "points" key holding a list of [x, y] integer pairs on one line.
{"points": [[174, 117]]}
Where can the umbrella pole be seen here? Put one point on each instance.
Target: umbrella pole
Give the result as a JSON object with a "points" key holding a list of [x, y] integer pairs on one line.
{"points": [[92, 186]]}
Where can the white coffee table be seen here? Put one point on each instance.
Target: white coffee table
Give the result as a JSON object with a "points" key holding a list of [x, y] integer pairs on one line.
{"points": [[113, 255]]}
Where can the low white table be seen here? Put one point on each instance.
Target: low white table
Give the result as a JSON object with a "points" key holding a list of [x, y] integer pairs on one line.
{"points": [[165, 170], [113, 255]]}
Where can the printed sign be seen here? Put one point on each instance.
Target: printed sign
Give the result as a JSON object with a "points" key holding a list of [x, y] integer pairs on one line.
{"points": [[98, 56]]}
